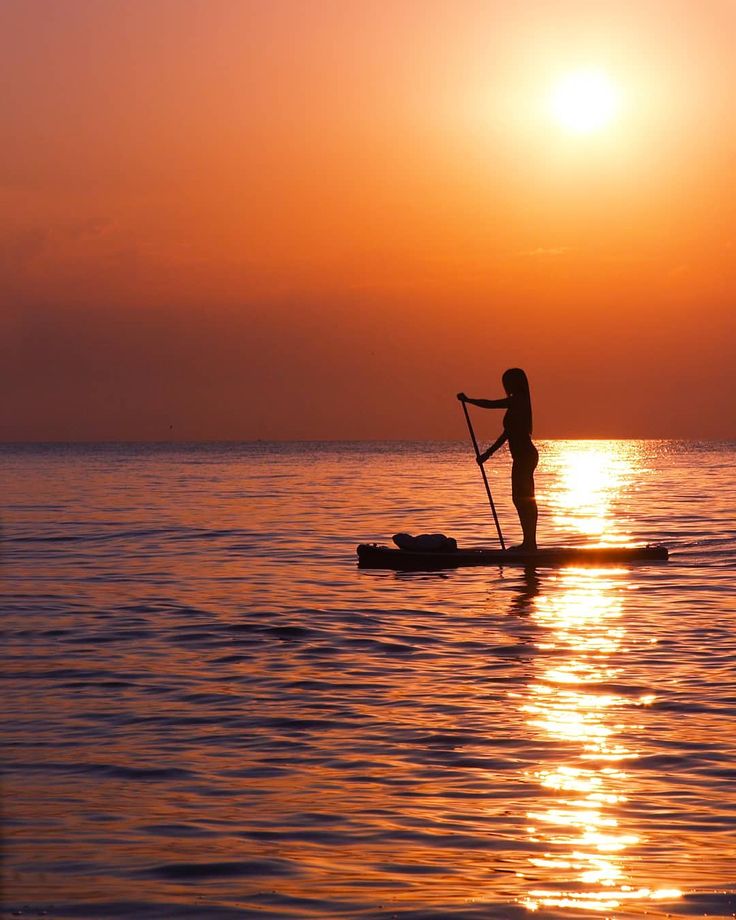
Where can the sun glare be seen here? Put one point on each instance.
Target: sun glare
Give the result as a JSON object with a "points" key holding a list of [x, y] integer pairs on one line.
{"points": [[584, 101]]}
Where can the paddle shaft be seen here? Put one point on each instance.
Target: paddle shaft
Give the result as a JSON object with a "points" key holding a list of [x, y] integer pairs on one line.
{"points": [[483, 473]]}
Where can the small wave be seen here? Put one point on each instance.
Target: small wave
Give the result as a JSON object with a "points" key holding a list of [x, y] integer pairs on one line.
{"points": [[177, 830], [251, 868], [112, 771], [125, 910], [720, 903]]}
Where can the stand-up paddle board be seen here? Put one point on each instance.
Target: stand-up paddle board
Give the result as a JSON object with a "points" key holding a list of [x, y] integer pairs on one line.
{"points": [[377, 556]]}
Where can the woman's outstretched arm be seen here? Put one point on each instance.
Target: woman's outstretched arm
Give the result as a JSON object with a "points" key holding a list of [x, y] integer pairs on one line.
{"points": [[499, 442], [485, 403]]}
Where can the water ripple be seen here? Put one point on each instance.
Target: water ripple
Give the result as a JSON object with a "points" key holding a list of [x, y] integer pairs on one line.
{"points": [[207, 703]]}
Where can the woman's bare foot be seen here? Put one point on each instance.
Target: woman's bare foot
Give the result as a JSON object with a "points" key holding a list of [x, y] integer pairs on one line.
{"points": [[523, 548]]}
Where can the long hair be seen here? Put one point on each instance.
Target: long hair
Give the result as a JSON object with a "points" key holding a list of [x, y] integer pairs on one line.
{"points": [[516, 383]]}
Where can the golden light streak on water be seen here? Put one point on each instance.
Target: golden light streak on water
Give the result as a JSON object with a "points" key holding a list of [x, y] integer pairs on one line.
{"points": [[571, 701], [590, 475]]}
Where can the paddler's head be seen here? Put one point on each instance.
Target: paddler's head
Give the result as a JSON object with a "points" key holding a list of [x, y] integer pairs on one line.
{"points": [[515, 382]]}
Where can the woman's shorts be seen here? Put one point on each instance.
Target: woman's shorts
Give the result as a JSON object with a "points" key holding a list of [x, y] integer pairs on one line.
{"points": [[522, 474]]}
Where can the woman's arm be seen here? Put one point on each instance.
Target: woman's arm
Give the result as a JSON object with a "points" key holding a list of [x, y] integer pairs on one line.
{"points": [[485, 403], [499, 442]]}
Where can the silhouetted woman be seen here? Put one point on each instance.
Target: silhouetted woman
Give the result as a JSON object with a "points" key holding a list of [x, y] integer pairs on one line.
{"points": [[517, 430]]}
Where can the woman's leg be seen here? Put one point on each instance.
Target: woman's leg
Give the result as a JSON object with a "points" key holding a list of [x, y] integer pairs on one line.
{"points": [[528, 515], [522, 493]]}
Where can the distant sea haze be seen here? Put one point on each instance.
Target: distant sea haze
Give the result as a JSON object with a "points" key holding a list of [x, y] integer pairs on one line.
{"points": [[210, 711]]}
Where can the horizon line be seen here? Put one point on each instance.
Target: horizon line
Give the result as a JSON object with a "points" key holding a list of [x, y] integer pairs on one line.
{"points": [[175, 441]]}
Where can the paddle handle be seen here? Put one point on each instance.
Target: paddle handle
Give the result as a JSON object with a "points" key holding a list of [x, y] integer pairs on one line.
{"points": [[483, 472]]}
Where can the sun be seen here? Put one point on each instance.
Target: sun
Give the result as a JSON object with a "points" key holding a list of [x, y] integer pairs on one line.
{"points": [[584, 101]]}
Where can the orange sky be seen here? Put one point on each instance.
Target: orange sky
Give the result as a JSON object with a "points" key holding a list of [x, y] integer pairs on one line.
{"points": [[296, 220]]}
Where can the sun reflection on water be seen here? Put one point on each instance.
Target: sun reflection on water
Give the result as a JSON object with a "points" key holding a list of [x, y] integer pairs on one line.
{"points": [[590, 476], [573, 702]]}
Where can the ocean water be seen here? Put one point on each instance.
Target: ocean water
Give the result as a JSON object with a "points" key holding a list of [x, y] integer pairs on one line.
{"points": [[210, 711]]}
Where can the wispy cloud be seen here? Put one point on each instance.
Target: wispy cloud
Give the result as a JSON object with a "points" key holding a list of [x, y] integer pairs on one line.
{"points": [[542, 252], [91, 228], [23, 246]]}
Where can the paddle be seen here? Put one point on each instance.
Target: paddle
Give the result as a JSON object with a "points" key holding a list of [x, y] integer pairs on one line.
{"points": [[483, 472]]}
